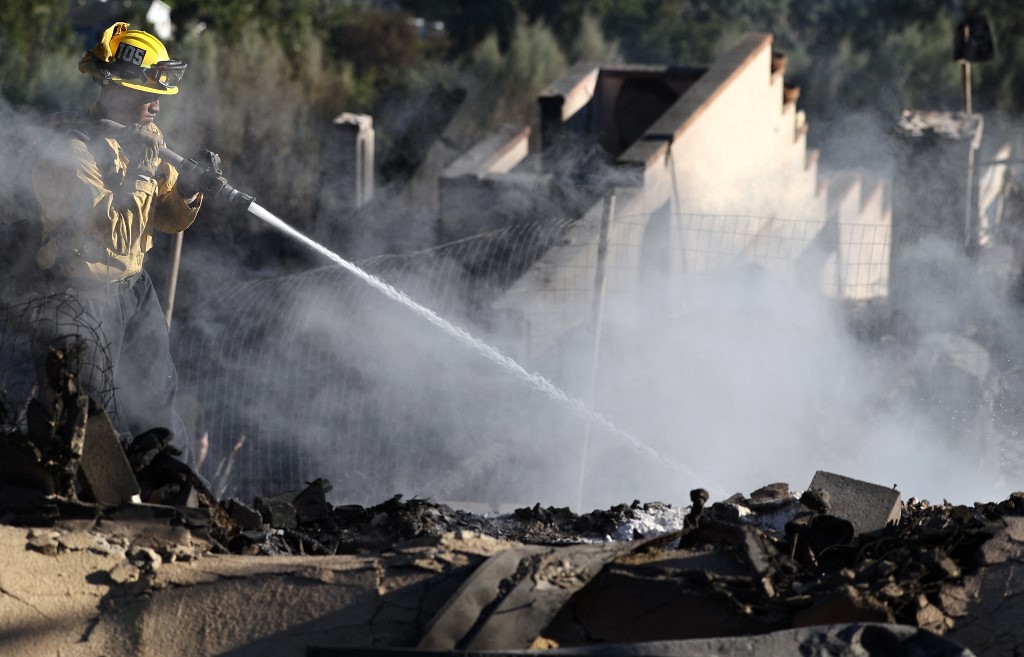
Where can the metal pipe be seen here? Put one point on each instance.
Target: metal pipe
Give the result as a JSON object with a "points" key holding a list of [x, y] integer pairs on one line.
{"points": [[172, 286], [965, 75]]}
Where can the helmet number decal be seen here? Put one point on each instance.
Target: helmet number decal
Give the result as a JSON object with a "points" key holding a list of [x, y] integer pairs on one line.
{"points": [[130, 54]]}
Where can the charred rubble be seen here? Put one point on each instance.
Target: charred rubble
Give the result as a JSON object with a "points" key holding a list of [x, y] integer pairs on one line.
{"points": [[843, 551]]}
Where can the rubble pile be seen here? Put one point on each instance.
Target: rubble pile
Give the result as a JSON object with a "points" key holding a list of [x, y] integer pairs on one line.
{"points": [[841, 552], [305, 523]]}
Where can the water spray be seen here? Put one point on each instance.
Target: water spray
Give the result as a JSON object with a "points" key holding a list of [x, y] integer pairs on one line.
{"points": [[535, 380], [235, 200]]}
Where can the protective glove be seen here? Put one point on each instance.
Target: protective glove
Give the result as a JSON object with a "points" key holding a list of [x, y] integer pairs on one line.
{"points": [[207, 178], [142, 143]]}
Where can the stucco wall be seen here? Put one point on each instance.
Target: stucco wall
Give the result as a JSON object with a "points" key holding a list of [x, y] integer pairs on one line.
{"points": [[727, 167], [730, 146]]}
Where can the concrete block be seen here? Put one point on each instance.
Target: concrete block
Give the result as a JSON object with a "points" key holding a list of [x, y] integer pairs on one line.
{"points": [[311, 504], [276, 512], [246, 517], [104, 471], [869, 507]]}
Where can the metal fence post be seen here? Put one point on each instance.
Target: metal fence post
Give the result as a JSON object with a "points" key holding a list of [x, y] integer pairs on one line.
{"points": [[172, 287]]}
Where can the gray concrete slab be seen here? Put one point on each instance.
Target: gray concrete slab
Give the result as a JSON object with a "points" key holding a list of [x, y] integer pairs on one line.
{"points": [[869, 507]]}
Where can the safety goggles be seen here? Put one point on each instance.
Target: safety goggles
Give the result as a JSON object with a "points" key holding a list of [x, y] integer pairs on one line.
{"points": [[166, 74]]}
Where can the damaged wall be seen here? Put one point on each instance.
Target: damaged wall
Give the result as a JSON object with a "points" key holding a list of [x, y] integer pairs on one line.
{"points": [[757, 567], [323, 388], [721, 178], [114, 592]]}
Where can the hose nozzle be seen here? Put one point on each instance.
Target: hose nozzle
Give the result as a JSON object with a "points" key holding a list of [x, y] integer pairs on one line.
{"points": [[215, 189], [221, 195]]}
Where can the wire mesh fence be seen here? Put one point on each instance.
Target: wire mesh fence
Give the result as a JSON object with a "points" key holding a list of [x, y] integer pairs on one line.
{"points": [[848, 260], [323, 376], [28, 329], [318, 374]]}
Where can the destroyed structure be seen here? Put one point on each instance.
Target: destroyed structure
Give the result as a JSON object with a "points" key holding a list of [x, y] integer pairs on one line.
{"points": [[645, 186], [849, 568], [707, 168], [636, 177]]}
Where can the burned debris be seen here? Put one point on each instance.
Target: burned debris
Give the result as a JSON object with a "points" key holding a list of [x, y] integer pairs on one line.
{"points": [[842, 552], [67, 462]]}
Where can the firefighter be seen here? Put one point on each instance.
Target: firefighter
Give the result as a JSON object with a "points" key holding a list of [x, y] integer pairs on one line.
{"points": [[102, 191]]}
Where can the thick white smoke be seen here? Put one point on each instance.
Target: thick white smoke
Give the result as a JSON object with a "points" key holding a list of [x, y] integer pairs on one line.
{"points": [[758, 380]]}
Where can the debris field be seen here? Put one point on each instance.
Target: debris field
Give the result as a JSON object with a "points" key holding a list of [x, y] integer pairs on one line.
{"points": [[157, 565]]}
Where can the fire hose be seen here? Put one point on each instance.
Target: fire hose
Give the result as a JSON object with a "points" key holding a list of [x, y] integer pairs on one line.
{"points": [[222, 195]]}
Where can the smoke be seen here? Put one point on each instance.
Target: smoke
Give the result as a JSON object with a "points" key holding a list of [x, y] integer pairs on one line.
{"points": [[738, 379], [750, 378], [756, 378], [764, 382]]}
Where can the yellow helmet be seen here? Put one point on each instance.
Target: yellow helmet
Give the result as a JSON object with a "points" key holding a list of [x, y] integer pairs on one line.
{"points": [[133, 59]]}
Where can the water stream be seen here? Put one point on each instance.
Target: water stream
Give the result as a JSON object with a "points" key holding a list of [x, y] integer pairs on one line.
{"points": [[537, 381]]}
